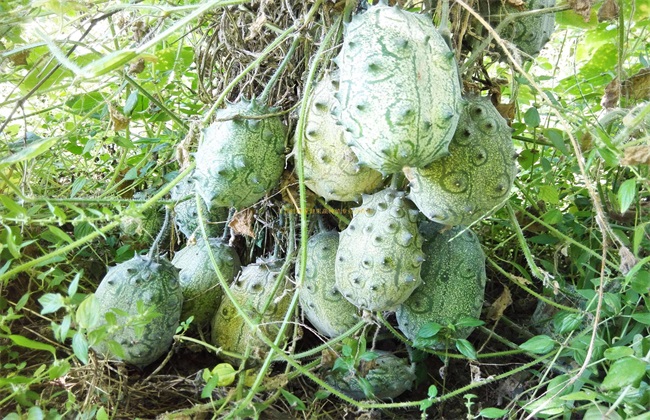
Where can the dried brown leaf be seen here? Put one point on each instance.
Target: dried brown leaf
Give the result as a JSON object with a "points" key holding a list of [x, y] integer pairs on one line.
{"points": [[628, 261], [608, 11], [636, 155], [582, 7], [612, 94], [515, 3], [637, 87], [242, 223], [496, 310], [119, 120]]}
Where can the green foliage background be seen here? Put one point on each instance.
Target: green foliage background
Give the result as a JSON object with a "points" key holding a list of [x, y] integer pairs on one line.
{"points": [[82, 130]]}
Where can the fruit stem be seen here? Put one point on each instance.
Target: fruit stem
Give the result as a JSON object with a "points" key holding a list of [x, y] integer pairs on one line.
{"points": [[161, 234]]}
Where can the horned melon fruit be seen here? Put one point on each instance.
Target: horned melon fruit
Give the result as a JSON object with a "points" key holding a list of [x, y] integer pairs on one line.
{"points": [[331, 168], [398, 88], [380, 252], [388, 376], [186, 213], [241, 157], [256, 293], [321, 302], [147, 283], [199, 282], [477, 175], [453, 281]]}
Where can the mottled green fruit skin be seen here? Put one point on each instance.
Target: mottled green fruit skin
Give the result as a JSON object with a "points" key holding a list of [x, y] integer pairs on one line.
{"points": [[380, 252], [186, 215], [476, 177], [321, 302], [528, 33], [252, 290], [453, 281], [141, 230], [155, 283], [398, 88], [330, 166], [389, 377], [240, 159], [202, 291]]}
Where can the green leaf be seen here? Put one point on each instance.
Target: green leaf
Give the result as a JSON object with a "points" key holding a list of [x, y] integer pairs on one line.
{"points": [[31, 344], [293, 401], [29, 152], [466, 348], [626, 194], [643, 318], [564, 322], [493, 413], [88, 312], [102, 414], [557, 139], [131, 102], [433, 391], [14, 208], [35, 413], [368, 356], [531, 117], [580, 396], [624, 372], [468, 321], [549, 194], [74, 284], [321, 394], [539, 344], [210, 385], [58, 369], [51, 302], [618, 352], [429, 330], [59, 234], [80, 347]]}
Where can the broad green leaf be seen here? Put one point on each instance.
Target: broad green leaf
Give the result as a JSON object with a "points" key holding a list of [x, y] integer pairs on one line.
{"points": [[88, 313], [468, 321], [618, 352], [624, 372], [84, 103], [432, 392], [564, 322], [531, 117], [210, 385], [29, 152], [368, 356], [626, 194], [466, 348], [74, 284], [102, 414], [51, 302], [58, 369], [429, 330], [557, 139], [108, 63], [131, 102], [31, 344], [493, 413], [580, 396], [59, 234], [35, 413], [293, 401], [549, 194], [643, 318], [539, 344], [80, 347], [13, 207]]}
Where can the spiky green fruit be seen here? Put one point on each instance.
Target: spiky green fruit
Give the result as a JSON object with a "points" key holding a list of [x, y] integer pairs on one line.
{"points": [[331, 168], [387, 376], [528, 33], [478, 174], [453, 282], [199, 282], [399, 89], [380, 252], [137, 285], [321, 302], [186, 214], [240, 158], [263, 296]]}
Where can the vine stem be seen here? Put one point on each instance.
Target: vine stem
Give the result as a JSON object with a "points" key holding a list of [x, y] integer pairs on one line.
{"points": [[601, 219], [99, 232]]}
